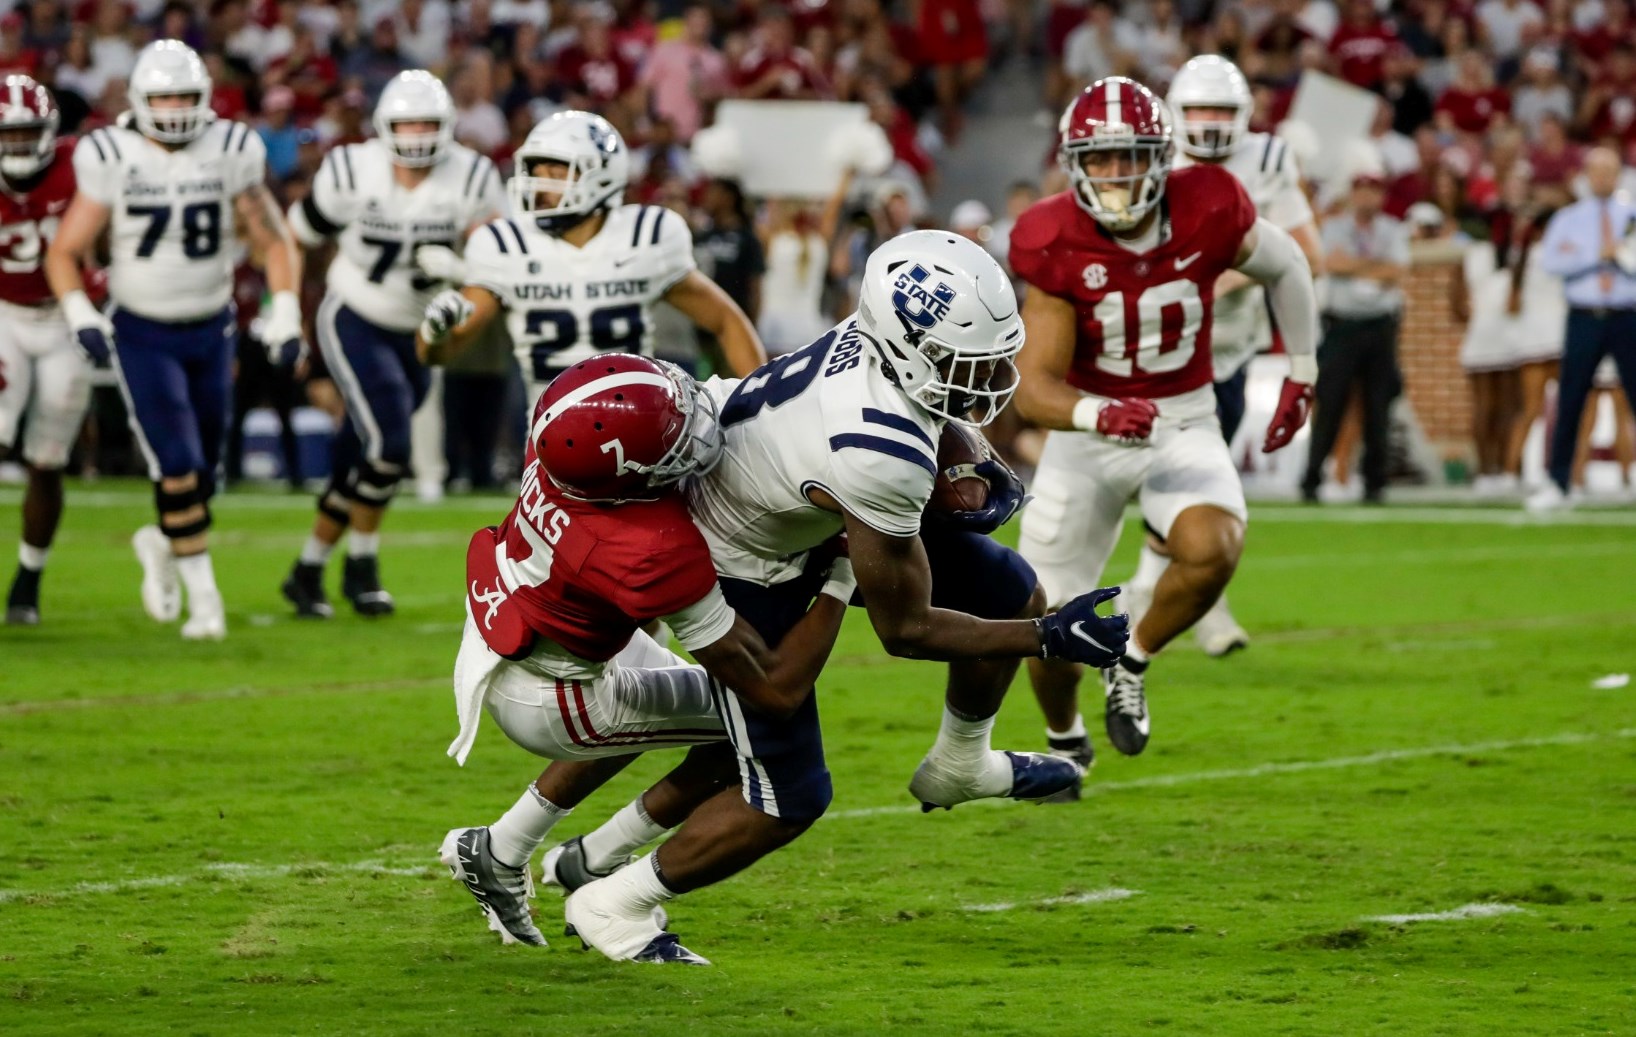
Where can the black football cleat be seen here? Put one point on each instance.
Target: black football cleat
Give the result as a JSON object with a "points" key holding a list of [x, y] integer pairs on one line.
{"points": [[304, 588], [23, 602], [1080, 752], [1127, 719], [361, 584]]}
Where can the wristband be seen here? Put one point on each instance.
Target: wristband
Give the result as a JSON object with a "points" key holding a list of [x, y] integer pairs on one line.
{"points": [[1086, 411]]}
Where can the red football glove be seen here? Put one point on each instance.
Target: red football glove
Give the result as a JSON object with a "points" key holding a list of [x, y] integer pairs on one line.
{"points": [[1129, 420], [1294, 407]]}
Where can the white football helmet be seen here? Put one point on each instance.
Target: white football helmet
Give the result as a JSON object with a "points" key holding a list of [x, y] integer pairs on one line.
{"points": [[170, 68], [1210, 81], [599, 168], [943, 317], [415, 96]]}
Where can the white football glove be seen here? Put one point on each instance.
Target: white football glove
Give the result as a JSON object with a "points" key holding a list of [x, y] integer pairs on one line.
{"points": [[281, 329], [443, 315], [440, 263], [92, 328]]}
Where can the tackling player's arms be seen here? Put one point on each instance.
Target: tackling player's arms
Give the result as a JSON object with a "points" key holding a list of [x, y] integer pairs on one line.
{"points": [[776, 681], [710, 308], [895, 578]]}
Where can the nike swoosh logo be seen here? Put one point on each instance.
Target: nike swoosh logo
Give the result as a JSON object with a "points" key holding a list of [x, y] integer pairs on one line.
{"points": [[1183, 264], [1078, 630], [623, 262]]}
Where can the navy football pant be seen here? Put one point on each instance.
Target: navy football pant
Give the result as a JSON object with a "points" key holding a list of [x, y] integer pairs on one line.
{"points": [[1230, 402], [177, 380], [781, 762], [383, 384]]}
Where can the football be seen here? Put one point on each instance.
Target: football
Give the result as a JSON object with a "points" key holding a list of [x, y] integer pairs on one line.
{"points": [[959, 450]]}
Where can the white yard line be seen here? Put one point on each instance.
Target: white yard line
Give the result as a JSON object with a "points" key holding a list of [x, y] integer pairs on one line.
{"points": [[1095, 896], [1459, 914], [377, 867]]}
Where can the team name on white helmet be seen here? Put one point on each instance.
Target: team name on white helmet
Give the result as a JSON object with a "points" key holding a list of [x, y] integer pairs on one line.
{"points": [[170, 68], [415, 96], [1210, 81], [944, 321], [598, 170]]}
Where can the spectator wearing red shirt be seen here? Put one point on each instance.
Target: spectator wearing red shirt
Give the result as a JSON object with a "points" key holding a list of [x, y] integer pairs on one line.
{"points": [[1608, 107], [1596, 43], [954, 43], [1554, 159], [14, 56], [1474, 103], [1359, 46], [592, 69], [1279, 45], [775, 68]]}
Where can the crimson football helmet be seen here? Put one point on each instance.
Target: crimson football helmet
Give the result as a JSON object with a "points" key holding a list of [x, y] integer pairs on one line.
{"points": [[28, 127], [1120, 126], [619, 427]]}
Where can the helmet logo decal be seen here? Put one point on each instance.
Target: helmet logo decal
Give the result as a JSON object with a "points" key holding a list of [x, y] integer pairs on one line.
{"points": [[918, 307]]}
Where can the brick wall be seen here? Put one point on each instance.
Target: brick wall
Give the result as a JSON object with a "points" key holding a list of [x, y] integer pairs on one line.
{"points": [[1429, 351]]}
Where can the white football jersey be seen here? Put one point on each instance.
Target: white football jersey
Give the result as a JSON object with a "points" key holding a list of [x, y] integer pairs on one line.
{"points": [[563, 303], [825, 416], [1272, 178], [378, 224], [172, 225]]}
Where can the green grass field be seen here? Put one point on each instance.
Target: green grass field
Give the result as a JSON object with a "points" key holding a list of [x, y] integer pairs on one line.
{"points": [[240, 838]]}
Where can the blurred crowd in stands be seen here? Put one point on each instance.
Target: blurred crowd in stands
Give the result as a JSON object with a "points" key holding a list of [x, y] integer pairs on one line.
{"points": [[1486, 108]]}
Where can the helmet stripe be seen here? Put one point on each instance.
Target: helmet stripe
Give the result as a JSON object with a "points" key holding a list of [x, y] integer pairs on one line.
{"points": [[589, 389], [1116, 108]]}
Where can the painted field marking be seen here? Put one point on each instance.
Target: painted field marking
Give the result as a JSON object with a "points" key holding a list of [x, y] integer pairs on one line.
{"points": [[1459, 914], [251, 871], [1095, 896]]}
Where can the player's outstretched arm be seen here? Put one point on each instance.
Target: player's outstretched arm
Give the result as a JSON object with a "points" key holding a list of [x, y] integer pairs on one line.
{"points": [[1271, 256], [776, 681], [447, 331], [703, 302]]}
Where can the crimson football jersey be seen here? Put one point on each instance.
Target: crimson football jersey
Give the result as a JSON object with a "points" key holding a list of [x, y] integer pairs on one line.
{"points": [[28, 222], [1142, 320], [582, 575]]}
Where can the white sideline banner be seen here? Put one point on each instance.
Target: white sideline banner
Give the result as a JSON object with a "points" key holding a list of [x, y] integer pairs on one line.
{"points": [[787, 146]]}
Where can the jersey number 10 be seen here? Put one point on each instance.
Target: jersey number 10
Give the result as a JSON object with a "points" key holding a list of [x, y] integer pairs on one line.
{"points": [[1161, 339]]}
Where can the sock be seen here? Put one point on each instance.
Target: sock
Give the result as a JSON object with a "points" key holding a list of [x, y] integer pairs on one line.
{"points": [[1075, 731], [198, 576], [619, 837], [961, 738], [520, 830], [363, 545], [1136, 657], [639, 885], [1149, 567], [315, 551], [32, 557]]}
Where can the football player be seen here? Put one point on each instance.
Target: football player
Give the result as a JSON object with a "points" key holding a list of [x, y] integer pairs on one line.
{"points": [[1210, 101], [169, 183], [43, 374], [841, 436], [399, 208], [1122, 271], [577, 272], [599, 543]]}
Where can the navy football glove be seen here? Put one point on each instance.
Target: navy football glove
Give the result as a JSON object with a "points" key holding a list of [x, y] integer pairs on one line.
{"points": [[92, 328], [1006, 496], [1076, 633]]}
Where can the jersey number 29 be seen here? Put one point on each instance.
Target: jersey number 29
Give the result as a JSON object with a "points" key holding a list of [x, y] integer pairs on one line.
{"points": [[614, 329]]}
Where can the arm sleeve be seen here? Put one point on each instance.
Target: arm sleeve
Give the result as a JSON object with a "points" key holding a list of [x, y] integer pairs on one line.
{"points": [[487, 263], [1560, 254], [675, 247], [96, 171], [1278, 263], [704, 622], [882, 482]]}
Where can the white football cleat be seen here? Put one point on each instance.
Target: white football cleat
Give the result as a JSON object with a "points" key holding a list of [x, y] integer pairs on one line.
{"points": [[598, 914], [1218, 633], [206, 618], [161, 587]]}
